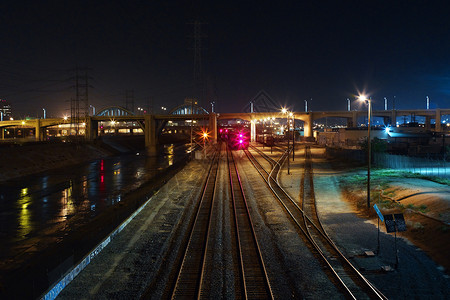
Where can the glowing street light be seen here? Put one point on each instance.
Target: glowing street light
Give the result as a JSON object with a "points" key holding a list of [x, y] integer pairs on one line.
{"points": [[369, 112]]}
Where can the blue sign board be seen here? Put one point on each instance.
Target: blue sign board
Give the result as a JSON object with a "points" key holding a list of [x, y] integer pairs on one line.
{"points": [[378, 213]]}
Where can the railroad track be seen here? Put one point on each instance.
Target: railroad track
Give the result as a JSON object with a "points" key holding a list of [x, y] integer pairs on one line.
{"points": [[304, 216], [190, 278], [255, 282]]}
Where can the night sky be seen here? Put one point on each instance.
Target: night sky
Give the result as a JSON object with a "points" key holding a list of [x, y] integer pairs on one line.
{"points": [[294, 50]]}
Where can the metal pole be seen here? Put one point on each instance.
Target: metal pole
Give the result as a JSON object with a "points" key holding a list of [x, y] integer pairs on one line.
{"points": [[287, 125], [271, 134], [378, 247], [293, 137], [369, 156], [396, 251]]}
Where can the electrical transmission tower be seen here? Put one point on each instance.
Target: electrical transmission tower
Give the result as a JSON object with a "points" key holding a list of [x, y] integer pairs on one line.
{"points": [[79, 106], [199, 80], [129, 100]]}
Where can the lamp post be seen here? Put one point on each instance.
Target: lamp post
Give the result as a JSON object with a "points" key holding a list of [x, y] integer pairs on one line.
{"points": [[44, 113], [284, 111], [293, 134], [369, 150], [93, 109], [205, 136], [271, 133]]}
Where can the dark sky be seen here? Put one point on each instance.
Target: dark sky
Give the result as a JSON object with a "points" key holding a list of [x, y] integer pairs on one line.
{"points": [[294, 50]]}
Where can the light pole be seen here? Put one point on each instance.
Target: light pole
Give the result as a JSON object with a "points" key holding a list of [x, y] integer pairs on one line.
{"points": [[369, 150], [93, 109], [271, 133], [348, 104], [44, 112], [284, 111], [205, 136], [293, 134]]}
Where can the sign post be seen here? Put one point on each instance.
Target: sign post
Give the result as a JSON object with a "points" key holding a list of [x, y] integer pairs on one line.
{"points": [[380, 217]]}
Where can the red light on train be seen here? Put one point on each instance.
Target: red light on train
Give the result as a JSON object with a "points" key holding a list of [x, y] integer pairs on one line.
{"points": [[220, 130]]}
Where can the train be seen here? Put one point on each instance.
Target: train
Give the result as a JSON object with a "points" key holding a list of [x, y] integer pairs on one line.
{"points": [[237, 137]]}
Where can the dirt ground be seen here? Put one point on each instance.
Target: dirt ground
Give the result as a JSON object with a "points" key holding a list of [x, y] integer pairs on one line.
{"points": [[425, 205]]}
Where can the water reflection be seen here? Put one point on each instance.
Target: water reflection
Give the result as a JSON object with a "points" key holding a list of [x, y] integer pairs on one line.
{"points": [[170, 154], [67, 205], [52, 198], [25, 214]]}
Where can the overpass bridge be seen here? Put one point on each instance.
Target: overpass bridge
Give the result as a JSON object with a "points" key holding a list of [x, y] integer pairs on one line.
{"points": [[308, 118], [153, 124]]}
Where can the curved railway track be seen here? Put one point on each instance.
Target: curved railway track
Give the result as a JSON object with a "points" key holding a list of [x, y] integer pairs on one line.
{"points": [[304, 216]]}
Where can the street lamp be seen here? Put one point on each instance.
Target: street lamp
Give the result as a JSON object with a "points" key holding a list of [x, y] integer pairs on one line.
{"points": [[44, 112], [205, 136], [284, 111], [369, 112], [293, 134], [93, 109], [271, 133]]}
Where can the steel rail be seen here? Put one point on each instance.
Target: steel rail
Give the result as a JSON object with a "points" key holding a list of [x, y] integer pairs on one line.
{"points": [[190, 273]]}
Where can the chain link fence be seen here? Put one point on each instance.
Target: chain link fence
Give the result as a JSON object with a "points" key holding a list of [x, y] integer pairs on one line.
{"points": [[425, 166]]}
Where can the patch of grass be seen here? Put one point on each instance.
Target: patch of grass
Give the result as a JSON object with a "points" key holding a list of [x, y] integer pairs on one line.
{"points": [[397, 174], [423, 208]]}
